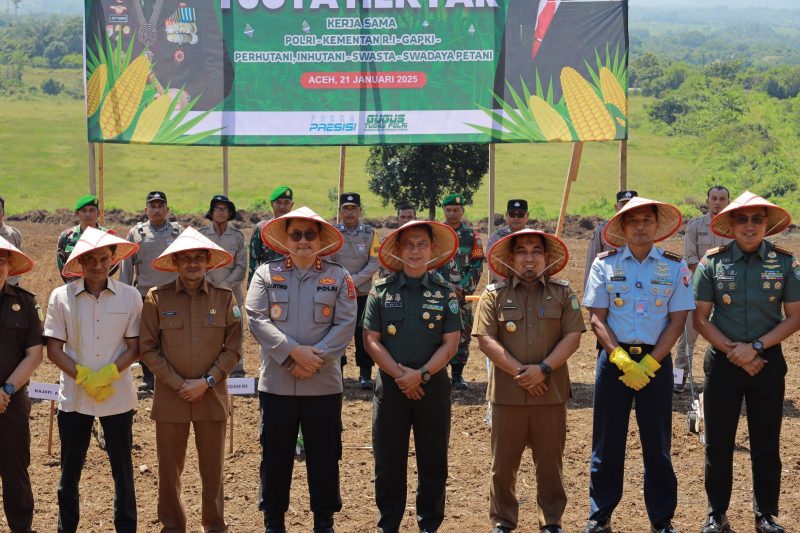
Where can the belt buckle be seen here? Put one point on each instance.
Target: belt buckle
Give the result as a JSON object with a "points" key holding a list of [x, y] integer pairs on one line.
{"points": [[635, 350]]}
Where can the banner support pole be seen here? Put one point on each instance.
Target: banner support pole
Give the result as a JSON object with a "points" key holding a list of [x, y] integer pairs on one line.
{"points": [[50, 428], [342, 160], [92, 170], [623, 165], [491, 189], [230, 437], [101, 191], [225, 170], [572, 175]]}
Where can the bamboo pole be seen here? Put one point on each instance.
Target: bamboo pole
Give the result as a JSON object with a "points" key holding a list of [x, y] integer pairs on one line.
{"points": [[230, 435], [342, 161], [92, 171], [101, 191], [225, 170], [50, 428], [623, 165], [491, 189], [572, 175]]}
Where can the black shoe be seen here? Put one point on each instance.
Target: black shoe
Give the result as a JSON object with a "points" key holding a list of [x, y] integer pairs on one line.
{"points": [[595, 526], [364, 383], [323, 523], [767, 524], [458, 383], [501, 529], [716, 524], [552, 529], [274, 524], [666, 528]]}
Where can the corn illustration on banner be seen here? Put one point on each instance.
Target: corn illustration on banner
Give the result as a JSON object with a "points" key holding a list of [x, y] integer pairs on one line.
{"points": [[355, 72]]}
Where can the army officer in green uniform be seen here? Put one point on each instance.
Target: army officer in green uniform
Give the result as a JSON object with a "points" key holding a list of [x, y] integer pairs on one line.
{"points": [[411, 330], [743, 290]]}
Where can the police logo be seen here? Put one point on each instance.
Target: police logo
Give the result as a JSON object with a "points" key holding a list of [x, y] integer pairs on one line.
{"points": [[275, 312]]}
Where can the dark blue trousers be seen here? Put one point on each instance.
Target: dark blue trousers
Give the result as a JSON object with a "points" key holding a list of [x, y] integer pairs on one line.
{"points": [[612, 406]]}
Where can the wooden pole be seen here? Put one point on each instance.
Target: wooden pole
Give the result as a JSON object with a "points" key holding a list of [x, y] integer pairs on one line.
{"points": [[623, 165], [50, 429], [491, 190], [342, 160], [92, 169], [101, 192], [230, 436], [572, 175], [225, 170]]}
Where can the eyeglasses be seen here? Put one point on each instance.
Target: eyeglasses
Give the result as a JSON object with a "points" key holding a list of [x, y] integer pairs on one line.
{"points": [[516, 214], [754, 219], [310, 235]]}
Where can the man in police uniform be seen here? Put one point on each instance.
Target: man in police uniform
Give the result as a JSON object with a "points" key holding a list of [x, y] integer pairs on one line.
{"points": [[87, 211], [743, 290], [596, 244], [20, 355], [528, 325], [464, 272], [183, 41], [411, 330], [359, 256], [302, 312], [516, 219], [191, 337], [153, 237], [405, 213], [638, 297], [697, 241], [281, 200], [10, 234]]}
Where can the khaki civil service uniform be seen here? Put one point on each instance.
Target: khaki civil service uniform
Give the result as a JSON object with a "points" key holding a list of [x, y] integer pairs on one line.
{"points": [[529, 323], [185, 336]]}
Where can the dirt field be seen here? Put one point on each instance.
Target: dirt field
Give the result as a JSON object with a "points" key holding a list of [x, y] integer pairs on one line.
{"points": [[467, 498]]}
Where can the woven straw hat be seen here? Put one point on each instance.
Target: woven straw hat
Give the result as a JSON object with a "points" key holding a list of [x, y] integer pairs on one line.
{"points": [[274, 235], [501, 256], [778, 219], [19, 263], [445, 245], [191, 239], [91, 240], [669, 221]]}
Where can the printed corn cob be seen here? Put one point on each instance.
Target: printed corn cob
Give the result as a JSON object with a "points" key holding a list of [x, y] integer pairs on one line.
{"points": [[550, 122], [151, 119], [95, 88], [588, 113], [613, 93], [123, 99]]}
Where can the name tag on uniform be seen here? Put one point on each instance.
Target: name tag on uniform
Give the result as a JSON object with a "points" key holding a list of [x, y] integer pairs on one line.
{"points": [[169, 313], [392, 304], [641, 308]]}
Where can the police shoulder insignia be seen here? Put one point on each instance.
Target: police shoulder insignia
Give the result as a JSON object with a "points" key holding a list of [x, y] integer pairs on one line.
{"points": [[608, 253], [438, 278], [383, 281], [782, 250], [716, 250], [672, 255], [39, 313], [24, 291], [496, 286], [562, 282]]}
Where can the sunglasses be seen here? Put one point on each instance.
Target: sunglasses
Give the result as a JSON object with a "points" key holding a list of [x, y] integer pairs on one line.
{"points": [[754, 219], [297, 235], [516, 214]]}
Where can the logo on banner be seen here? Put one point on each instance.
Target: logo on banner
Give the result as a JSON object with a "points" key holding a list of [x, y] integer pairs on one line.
{"points": [[395, 122], [332, 124]]}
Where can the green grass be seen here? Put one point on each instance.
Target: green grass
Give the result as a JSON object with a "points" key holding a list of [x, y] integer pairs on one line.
{"points": [[43, 165]]}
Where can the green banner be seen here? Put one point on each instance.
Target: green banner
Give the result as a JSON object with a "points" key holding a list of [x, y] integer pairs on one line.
{"points": [[335, 72]]}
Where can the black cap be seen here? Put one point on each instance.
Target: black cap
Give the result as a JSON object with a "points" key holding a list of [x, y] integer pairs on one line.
{"points": [[221, 199], [350, 198], [517, 205], [156, 195], [624, 196]]}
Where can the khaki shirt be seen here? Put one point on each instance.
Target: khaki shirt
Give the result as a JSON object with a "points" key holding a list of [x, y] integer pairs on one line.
{"points": [[94, 331], [13, 236], [529, 323], [185, 336], [288, 307], [699, 239], [231, 275], [359, 255], [137, 270]]}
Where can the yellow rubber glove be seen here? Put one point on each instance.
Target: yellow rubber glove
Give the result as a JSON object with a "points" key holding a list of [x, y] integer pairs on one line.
{"points": [[649, 365], [634, 375], [102, 394], [621, 358], [83, 374], [105, 376]]}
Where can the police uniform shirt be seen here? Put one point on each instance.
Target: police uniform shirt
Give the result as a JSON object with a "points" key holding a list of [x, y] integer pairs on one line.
{"points": [[359, 254], [231, 275], [699, 239], [529, 323], [20, 329], [137, 270], [288, 307], [13, 236], [185, 336], [639, 296], [747, 292], [597, 245], [93, 331], [497, 235], [412, 315]]}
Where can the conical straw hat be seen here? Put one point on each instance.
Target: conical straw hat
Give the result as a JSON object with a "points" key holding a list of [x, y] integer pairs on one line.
{"points": [[669, 221], [501, 256], [19, 262], [778, 219], [191, 239], [91, 240], [445, 245], [274, 235]]}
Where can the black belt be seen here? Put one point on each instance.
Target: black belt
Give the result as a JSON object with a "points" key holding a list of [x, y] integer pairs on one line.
{"points": [[637, 349]]}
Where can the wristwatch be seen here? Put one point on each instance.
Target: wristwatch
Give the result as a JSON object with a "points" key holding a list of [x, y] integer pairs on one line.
{"points": [[546, 369], [9, 389], [426, 375], [210, 380], [758, 346]]}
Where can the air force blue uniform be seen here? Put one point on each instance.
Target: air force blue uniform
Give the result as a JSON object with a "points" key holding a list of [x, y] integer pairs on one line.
{"points": [[639, 298]]}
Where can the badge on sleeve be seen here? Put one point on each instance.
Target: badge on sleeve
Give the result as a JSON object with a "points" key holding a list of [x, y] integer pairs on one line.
{"points": [[39, 313], [237, 313], [275, 311], [453, 306], [351, 288]]}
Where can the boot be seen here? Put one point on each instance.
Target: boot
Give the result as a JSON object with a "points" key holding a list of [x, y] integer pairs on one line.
{"points": [[323, 523]]}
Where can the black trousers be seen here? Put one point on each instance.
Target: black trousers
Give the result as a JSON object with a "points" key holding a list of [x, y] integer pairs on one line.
{"points": [[75, 430], [14, 461], [363, 360], [725, 387], [393, 417], [320, 418]]}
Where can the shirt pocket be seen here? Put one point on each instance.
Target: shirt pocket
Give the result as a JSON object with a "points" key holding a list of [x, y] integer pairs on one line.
{"points": [[278, 305], [550, 309], [324, 305], [172, 331], [704, 239], [115, 322], [509, 320], [393, 319]]}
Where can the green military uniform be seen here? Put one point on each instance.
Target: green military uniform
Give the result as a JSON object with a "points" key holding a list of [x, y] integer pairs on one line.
{"points": [[66, 243], [464, 272], [412, 315], [747, 292], [259, 252]]}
